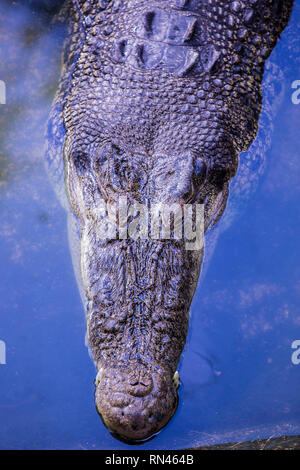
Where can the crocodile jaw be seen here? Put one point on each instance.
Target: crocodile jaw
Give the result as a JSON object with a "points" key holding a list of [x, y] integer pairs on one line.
{"points": [[137, 326]]}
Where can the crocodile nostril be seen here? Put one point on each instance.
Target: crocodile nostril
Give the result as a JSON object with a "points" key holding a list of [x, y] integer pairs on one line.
{"points": [[139, 383]]}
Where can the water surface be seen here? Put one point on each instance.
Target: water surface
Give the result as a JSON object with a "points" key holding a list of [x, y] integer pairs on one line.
{"points": [[238, 379]]}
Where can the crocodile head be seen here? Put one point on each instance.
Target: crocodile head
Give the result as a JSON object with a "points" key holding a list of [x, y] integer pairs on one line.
{"points": [[161, 101], [139, 284]]}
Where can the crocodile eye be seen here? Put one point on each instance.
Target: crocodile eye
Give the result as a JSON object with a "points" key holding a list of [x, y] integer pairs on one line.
{"points": [[200, 167], [80, 161], [103, 157], [200, 171]]}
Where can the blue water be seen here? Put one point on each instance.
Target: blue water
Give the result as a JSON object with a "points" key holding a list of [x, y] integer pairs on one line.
{"points": [[238, 379]]}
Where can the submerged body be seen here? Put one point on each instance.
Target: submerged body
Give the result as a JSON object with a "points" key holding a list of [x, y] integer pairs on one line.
{"points": [[155, 103]]}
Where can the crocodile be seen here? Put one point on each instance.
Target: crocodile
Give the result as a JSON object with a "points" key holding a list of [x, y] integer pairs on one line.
{"points": [[155, 102]]}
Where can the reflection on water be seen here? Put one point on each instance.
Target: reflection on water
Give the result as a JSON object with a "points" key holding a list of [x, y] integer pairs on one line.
{"points": [[238, 380]]}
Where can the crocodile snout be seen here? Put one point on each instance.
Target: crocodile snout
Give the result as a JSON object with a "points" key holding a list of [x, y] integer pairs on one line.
{"points": [[133, 402]]}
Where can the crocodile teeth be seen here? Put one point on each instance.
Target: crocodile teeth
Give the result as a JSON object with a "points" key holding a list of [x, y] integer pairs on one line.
{"points": [[176, 379], [99, 376]]}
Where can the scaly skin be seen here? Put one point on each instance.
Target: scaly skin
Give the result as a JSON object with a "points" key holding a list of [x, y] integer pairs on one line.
{"points": [[157, 98]]}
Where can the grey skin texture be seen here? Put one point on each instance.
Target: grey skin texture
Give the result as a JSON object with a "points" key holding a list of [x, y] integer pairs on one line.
{"points": [[155, 102]]}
